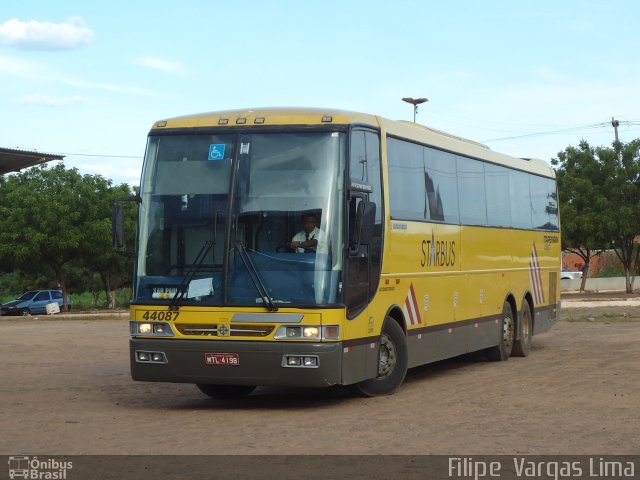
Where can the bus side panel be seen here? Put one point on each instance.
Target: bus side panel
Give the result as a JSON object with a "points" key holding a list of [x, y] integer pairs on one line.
{"points": [[519, 263], [422, 261], [544, 319], [486, 259], [359, 358], [457, 308], [549, 254]]}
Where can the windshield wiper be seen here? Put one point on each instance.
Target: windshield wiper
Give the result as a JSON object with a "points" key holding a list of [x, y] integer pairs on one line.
{"points": [[255, 277], [195, 266]]}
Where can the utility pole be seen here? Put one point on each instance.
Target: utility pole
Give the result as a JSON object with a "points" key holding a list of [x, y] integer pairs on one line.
{"points": [[615, 124]]}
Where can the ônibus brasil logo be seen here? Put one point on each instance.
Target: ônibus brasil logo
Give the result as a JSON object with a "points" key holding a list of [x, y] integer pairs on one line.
{"points": [[23, 466]]}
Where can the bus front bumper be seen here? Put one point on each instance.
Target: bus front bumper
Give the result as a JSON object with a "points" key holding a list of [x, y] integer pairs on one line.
{"points": [[235, 362]]}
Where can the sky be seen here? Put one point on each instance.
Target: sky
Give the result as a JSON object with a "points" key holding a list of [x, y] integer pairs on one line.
{"points": [[527, 78]]}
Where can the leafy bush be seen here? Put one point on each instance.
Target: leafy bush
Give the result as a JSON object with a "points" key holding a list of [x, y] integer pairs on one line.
{"points": [[98, 300], [609, 266]]}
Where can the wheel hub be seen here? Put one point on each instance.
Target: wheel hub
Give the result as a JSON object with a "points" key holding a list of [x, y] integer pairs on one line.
{"points": [[507, 332], [388, 356]]}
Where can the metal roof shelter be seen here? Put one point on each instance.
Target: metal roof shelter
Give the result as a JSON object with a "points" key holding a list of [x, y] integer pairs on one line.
{"points": [[12, 160]]}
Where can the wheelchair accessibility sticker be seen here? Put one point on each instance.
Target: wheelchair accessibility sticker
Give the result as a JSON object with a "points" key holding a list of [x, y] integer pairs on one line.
{"points": [[216, 151]]}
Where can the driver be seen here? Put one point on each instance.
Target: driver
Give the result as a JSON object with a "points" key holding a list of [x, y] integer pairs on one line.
{"points": [[310, 238]]}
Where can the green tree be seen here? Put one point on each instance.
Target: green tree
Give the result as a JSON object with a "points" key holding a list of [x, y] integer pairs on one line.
{"points": [[15, 282], [622, 192], [599, 193], [97, 251], [50, 216], [578, 174], [41, 219]]}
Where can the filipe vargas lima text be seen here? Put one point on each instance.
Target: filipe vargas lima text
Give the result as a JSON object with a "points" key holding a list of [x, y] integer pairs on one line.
{"points": [[594, 467]]}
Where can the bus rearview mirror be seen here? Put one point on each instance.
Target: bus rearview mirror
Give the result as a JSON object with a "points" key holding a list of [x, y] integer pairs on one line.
{"points": [[365, 221]]}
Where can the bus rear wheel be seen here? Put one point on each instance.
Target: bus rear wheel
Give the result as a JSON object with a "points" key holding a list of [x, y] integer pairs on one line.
{"points": [[502, 351], [225, 392], [521, 347], [393, 360]]}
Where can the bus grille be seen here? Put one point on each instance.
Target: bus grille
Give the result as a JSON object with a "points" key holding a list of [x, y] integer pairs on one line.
{"points": [[200, 330]]}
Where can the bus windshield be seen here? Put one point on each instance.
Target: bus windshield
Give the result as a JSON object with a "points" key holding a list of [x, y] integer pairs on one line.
{"points": [[219, 213]]}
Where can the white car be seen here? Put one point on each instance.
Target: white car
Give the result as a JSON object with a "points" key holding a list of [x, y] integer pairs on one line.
{"points": [[569, 275]]}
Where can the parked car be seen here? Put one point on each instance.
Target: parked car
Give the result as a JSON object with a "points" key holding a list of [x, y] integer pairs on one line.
{"points": [[34, 301], [570, 275]]}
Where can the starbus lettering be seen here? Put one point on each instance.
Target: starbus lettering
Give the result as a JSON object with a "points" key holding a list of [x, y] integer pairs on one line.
{"points": [[438, 253]]}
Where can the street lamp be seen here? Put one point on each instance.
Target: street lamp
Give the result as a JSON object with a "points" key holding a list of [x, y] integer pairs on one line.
{"points": [[415, 102]]}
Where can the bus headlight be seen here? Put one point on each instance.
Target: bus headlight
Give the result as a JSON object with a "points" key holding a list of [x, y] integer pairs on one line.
{"points": [[311, 332], [307, 332], [151, 329], [144, 328], [161, 328], [292, 332]]}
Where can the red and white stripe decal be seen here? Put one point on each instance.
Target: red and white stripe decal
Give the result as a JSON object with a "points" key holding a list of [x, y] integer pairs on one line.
{"points": [[536, 277], [411, 309]]}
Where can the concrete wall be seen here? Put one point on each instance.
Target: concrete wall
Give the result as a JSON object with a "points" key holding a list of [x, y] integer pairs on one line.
{"points": [[597, 284]]}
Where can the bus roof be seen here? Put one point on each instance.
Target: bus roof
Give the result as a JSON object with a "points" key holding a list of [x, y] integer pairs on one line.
{"points": [[318, 116], [269, 116]]}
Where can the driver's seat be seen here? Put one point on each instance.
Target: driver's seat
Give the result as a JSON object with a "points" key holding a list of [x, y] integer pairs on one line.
{"points": [[271, 233]]}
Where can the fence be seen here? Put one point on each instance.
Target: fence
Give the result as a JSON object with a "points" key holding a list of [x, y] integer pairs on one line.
{"points": [[595, 284]]}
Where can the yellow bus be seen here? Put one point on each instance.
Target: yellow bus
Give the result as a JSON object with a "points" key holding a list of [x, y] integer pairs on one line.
{"points": [[310, 247]]}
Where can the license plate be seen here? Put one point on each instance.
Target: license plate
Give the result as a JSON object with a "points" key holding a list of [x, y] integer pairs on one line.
{"points": [[222, 359]]}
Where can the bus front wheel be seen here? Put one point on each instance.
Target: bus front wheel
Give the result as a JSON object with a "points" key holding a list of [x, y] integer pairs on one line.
{"points": [[393, 359], [225, 392], [502, 351]]}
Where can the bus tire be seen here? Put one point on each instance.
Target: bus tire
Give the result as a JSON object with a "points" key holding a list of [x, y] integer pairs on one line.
{"points": [[502, 351], [522, 347], [225, 392], [393, 359]]}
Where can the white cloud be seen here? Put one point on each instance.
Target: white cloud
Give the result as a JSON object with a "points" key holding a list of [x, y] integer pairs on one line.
{"points": [[161, 64], [47, 101], [35, 35]]}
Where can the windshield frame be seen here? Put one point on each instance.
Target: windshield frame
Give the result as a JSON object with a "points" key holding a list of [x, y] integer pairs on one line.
{"points": [[147, 183]]}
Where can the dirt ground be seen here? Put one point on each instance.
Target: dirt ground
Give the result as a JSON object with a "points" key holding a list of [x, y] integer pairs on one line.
{"points": [[66, 389]]}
